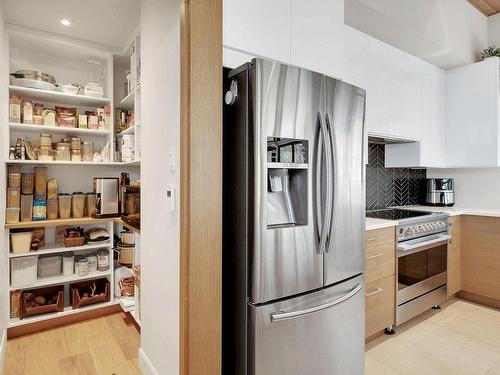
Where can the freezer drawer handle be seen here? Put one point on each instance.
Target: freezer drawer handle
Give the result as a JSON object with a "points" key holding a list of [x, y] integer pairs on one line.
{"points": [[282, 315], [376, 255], [376, 291]]}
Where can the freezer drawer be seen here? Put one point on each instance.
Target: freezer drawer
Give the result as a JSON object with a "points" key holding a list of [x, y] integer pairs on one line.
{"points": [[321, 333]]}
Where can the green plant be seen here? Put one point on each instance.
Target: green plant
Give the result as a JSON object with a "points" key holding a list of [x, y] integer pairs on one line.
{"points": [[490, 51]]}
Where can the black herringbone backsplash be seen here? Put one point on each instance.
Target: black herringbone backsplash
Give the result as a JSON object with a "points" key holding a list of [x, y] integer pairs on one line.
{"points": [[386, 187]]}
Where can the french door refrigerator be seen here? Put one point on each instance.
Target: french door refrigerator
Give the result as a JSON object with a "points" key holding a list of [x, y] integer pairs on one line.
{"points": [[293, 223]]}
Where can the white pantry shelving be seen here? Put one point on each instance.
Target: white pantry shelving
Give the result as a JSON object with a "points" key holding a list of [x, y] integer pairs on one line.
{"points": [[61, 279], [55, 248], [29, 128], [58, 97]]}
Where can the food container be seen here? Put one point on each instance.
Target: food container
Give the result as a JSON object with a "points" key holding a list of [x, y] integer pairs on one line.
{"points": [[14, 176], [41, 180], [92, 258], [132, 203], [68, 264], [127, 147], [93, 120], [13, 197], [90, 204], [23, 271], [45, 153], [42, 301], [81, 292], [64, 206], [26, 208], [49, 265], [82, 121], [38, 240], [78, 204], [21, 241], [52, 209], [15, 304], [52, 189], [46, 140], [12, 215], [15, 109], [39, 210], [87, 151], [127, 237], [27, 182], [49, 117], [102, 260], [76, 143], [76, 155], [40, 197], [66, 117], [63, 151], [27, 111], [83, 266], [126, 255]]}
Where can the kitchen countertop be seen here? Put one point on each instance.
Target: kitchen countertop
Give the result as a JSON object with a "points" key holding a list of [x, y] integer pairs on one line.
{"points": [[372, 223], [455, 211]]}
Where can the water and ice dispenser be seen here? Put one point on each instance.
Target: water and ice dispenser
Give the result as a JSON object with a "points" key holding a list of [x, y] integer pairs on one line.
{"points": [[287, 168]]}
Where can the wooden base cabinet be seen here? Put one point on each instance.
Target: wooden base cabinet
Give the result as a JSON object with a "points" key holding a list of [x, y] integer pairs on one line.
{"points": [[380, 288], [454, 274]]}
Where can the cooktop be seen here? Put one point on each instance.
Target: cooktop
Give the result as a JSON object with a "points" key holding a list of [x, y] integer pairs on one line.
{"points": [[395, 214]]}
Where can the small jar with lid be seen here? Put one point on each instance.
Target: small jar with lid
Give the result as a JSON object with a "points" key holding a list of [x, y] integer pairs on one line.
{"points": [[63, 152], [38, 114], [92, 259], [15, 109], [46, 139], [83, 266], [27, 111], [102, 260]]}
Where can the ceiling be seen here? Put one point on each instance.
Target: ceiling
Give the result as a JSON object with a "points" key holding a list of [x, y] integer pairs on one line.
{"points": [[109, 22], [487, 7]]}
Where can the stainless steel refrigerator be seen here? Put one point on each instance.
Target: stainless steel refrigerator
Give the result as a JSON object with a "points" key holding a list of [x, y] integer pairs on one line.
{"points": [[293, 223]]}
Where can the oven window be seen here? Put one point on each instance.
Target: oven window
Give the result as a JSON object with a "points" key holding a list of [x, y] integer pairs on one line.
{"points": [[422, 265]]}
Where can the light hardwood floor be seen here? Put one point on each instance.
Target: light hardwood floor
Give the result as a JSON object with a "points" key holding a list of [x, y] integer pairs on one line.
{"points": [[101, 346], [462, 338]]}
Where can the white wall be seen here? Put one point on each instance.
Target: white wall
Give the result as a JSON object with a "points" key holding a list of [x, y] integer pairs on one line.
{"points": [[4, 288], [160, 54], [446, 33], [474, 187], [494, 30]]}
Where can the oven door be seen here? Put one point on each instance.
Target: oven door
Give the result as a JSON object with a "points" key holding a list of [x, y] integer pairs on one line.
{"points": [[422, 265]]}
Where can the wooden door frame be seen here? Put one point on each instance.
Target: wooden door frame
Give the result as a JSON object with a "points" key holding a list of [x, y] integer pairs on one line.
{"points": [[201, 187]]}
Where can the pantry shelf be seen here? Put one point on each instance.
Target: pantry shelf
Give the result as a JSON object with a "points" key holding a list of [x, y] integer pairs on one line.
{"points": [[128, 101], [67, 311], [127, 303], [55, 222], [58, 162], [134, 315], [126, 225], [56, 248], [56, 129], [129, 130], [58, 97], [60, 279]]}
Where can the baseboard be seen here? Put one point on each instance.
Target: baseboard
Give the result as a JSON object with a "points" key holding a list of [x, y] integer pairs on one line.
{"points": [[472, 297], [145, 364], [3, 349]]}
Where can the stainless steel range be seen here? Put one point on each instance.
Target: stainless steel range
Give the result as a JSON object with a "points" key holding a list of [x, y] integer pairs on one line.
{"points": [[422, 252]]}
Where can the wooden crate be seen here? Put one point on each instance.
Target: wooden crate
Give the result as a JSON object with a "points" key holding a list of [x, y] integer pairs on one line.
{"points": [[48, 292], [78, 289]]}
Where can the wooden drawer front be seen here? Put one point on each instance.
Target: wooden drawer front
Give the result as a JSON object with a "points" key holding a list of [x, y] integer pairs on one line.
{"points": [[380, 299], [380, 237]]}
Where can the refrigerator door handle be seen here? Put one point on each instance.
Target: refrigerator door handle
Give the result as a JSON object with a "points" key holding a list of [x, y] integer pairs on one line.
{"points": [[326, 222], [282, 315], [330, 191]]}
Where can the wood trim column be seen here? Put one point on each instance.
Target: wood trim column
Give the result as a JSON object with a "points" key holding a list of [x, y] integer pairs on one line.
{"points": [[201, 187]]}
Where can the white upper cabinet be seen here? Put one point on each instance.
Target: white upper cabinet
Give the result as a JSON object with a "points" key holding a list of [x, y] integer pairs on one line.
{"points": [[394, 92], [356, 63], [317, 36], [258, 27], [472, 101]]}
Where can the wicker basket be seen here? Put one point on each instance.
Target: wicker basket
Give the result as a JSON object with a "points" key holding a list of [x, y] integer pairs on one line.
{"points": [[49, 292], [78, 289], [74, 237]]}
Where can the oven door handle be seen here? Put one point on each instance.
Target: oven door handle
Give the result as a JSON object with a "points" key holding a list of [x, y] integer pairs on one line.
{"points": [[405, 249]]}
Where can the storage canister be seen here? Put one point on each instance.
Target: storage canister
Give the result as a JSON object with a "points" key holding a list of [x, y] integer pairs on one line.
{"points": [[52, 189], [68, 264], [92, 258], [14, 176], [64, 206], [49, 265], [41, 180], [78, 204], [21, 241], [87, 151], [13, 197], [63, 152], [26, 208], [49, 117], [102, 259], [83, 266], [27, 111], [127, 237], [126, 255], [39, 210], [15, 109], [46, 139], [52, 209], [45, 153], [12, 215], [27, 183], [23, 271], [90, 205]]}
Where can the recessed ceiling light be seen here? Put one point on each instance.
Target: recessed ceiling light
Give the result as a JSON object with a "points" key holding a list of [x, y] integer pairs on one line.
{"points": [[65, 22]]}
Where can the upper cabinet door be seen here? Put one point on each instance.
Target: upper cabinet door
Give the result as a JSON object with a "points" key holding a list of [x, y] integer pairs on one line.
{"points": [[394, 93], [472, 115], [317, 35], [258, 27], [356, 63]]}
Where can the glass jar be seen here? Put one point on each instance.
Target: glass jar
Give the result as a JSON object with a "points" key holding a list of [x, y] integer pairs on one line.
{"points": [[90, 206], [83, 266], [37, 114], [76, 143], [15, 109], [45, 153], [27, 111], [78, 204], [46, 139], [102, 260], [92, 259], [63, 152], [49, 117], [52, 209], [64, 206], [76, 155], [87, 151]]}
